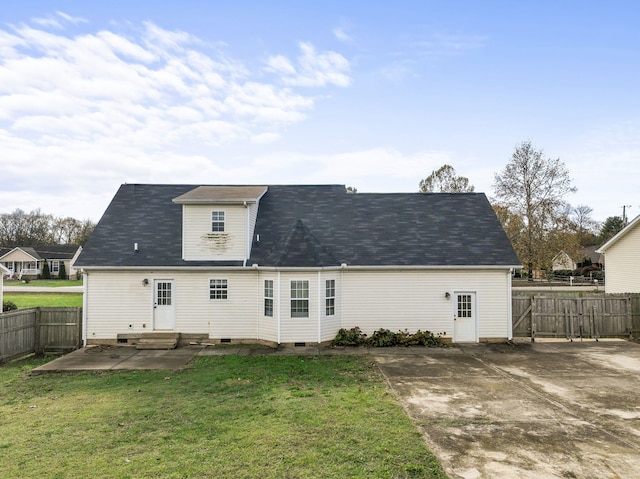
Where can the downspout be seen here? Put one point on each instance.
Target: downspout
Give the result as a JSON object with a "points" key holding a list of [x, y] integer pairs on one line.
{"points": [[509, 306], [85, 301], [319, 307], [279, 302]]}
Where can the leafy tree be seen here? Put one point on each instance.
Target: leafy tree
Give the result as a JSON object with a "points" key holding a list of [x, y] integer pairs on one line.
{"points": [[611, 226], [36, 228], [585, 226], [445, 180], [46, 273], [533, 188]]}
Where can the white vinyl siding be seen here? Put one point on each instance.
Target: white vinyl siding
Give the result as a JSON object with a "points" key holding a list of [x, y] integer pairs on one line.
{"points": [[622, 264], [118, 302], [416, 299], [200, 243]]}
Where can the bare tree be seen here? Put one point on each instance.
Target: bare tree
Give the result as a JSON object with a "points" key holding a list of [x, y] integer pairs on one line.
{"points": [[445, 180], [534, 188]]}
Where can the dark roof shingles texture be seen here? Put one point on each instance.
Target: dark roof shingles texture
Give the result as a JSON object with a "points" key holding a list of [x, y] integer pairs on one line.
{"points": [[311, 226]]}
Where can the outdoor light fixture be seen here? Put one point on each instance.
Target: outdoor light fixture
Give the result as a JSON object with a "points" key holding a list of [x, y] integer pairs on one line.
{"points": [[447, 295], [145, 282]]}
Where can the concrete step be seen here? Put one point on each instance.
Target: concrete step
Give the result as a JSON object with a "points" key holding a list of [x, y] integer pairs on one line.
{"points": [[158, 340], [157, 344]]}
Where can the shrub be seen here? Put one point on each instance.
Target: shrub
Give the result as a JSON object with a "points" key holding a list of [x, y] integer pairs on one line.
{"points": [[62, 272], [46, 272], [8, 306], [350, 337], [384, 338]]}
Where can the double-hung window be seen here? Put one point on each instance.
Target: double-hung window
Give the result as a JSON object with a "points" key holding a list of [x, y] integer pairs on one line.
{"points": [[330, 297], [217, 221], [218, 289], [299, 299], [268, 297], [55, 266]]}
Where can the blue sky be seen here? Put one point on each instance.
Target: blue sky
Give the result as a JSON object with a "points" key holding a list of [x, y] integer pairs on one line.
{"points": [[374, 95]]}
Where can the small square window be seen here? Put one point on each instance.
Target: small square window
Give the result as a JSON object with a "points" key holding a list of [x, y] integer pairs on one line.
{"points": [[218, 289], [217, 221]]}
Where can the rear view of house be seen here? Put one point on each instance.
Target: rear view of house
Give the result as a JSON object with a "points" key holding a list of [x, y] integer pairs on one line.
{"points": [[294, 264]]}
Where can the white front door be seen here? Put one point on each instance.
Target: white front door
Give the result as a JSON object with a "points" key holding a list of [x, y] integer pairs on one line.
{"points": [[164, 304], [465, 318]]}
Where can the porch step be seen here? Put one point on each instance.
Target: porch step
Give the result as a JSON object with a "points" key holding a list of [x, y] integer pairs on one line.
{"points": [[158, 341]]}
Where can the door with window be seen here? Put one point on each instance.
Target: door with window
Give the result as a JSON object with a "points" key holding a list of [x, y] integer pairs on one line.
{"points": [[164, 306], [465, 317]]}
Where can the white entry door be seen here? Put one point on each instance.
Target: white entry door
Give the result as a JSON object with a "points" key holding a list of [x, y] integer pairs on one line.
{"points": [[164, 305], [465, 324]]}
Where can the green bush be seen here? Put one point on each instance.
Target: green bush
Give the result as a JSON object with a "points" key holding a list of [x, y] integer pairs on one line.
{"points": [[46, 272], [8, 306], [384, 338], [62, 272], [350, 337]]}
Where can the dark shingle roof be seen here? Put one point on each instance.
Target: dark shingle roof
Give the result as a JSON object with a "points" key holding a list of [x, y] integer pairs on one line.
{"points": [[56, 251], [312, 226]]}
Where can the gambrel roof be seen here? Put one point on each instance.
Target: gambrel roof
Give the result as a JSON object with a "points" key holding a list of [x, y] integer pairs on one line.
{"points": [[311, 226]]}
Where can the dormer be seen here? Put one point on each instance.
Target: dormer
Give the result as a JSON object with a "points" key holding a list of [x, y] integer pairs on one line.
{"points": [[218, 222]]}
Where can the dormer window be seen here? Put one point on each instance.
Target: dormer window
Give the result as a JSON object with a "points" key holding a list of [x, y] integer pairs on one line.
{"points": [[217, 221]]}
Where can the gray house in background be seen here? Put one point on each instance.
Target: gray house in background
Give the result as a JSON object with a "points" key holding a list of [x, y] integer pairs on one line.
{"points": [[293, 264], [28, 261]]}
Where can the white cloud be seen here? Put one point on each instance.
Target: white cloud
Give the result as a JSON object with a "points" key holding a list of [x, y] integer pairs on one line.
{"points": [[312, 69], [341, 34], [85, 112]]}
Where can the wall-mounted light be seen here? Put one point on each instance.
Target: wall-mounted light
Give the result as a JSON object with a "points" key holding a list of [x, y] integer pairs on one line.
{"points": [[145, 282], [447, 295]]}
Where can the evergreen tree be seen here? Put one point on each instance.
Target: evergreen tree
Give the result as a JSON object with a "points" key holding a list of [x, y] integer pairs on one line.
{"points": [[46, 273], [62, 272]]}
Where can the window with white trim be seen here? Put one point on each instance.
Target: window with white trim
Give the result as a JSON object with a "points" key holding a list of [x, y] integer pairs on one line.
{"points": [[218, 289], [464, 305], [268, 297], [217, 221], [330, 297], [55, 266], [299, 299]]}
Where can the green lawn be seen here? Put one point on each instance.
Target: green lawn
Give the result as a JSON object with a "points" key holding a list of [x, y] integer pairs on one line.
{"points": [[31, 300], [226, 417]]}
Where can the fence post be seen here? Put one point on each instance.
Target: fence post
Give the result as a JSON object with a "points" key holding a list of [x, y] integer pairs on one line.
{"points": [[533, 321], [79, 328], [629, 318], [38, 349]]}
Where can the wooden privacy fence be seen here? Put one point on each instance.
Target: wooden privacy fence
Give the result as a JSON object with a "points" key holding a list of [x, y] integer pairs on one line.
{"points": [[39, 330], [575, 316]]}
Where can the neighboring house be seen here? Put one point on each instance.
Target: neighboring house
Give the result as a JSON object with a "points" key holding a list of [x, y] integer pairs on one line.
{"points": [[562, 261], [294, 264], [4, 272], [622, 254], [28, 261]]}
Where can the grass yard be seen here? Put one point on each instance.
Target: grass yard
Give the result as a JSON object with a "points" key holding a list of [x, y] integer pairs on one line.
{"points": [[48, 283], [226, 417], [31, 300]]}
